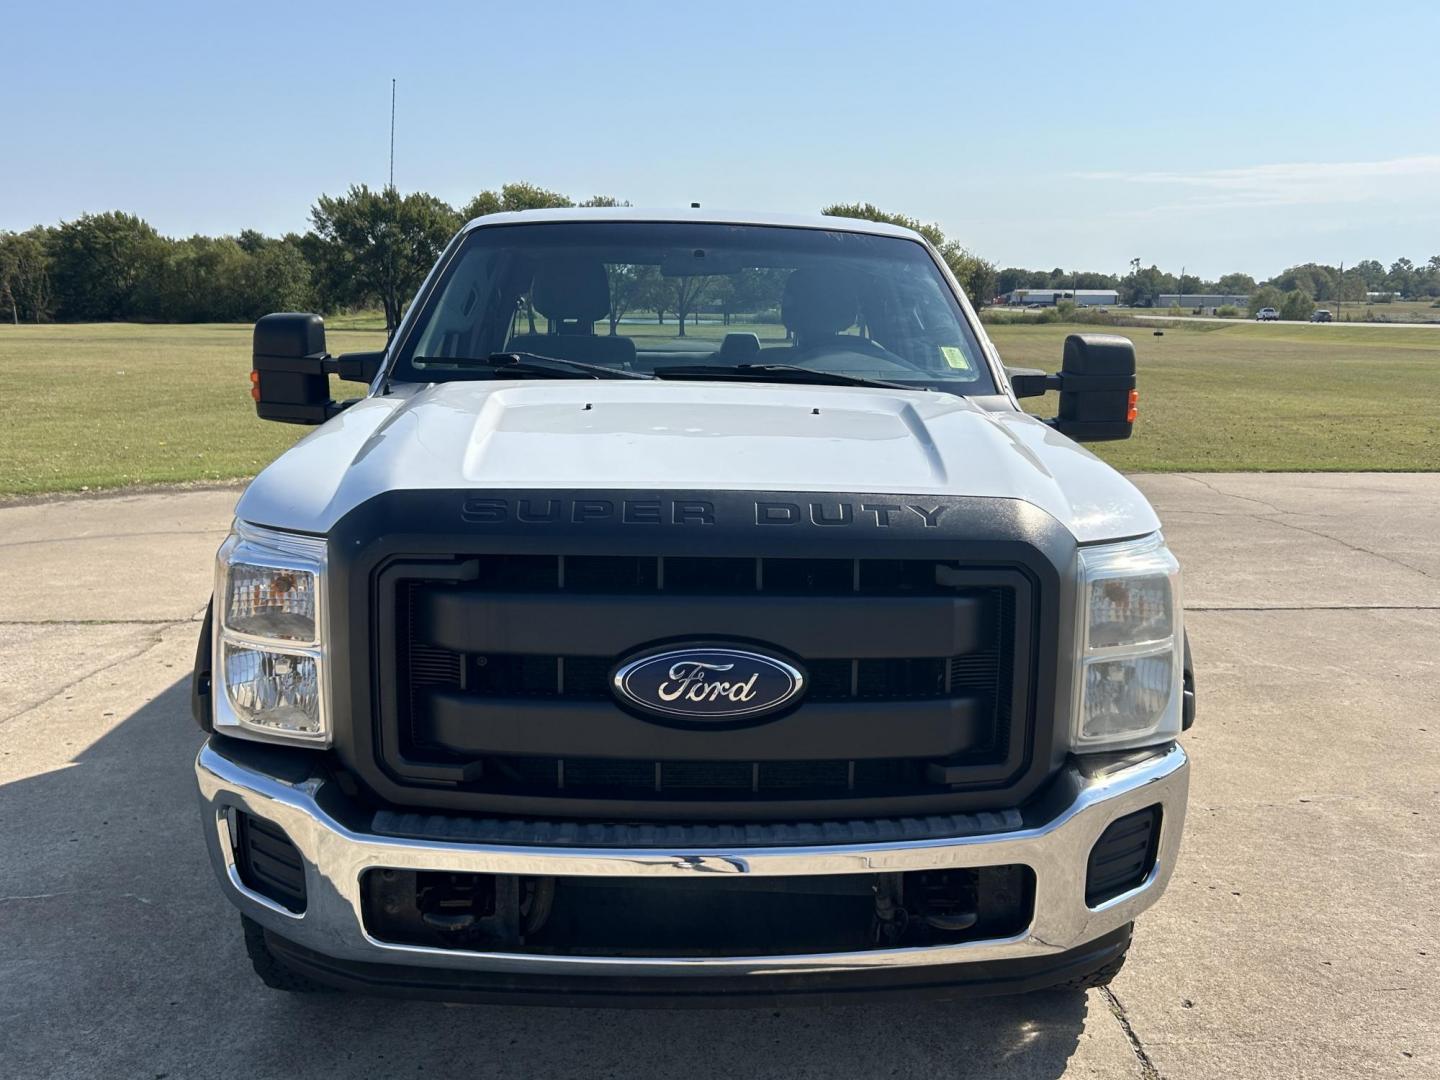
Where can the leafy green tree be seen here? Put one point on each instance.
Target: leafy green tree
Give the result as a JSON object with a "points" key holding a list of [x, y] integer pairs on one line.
{"points": [[1142, 288], [276, 277], [99, 264], [1236, 284], [25, 274], [976, 276], [381, 244], [631, 286], [1401, 278], [1263, 297], [871, 212], [1010, 279], [521, 195], [1372, 272], [1314, 279], [1297, 305], [748, 290], [686, 294], [1352, 286], [196, 280], [9, 267]]}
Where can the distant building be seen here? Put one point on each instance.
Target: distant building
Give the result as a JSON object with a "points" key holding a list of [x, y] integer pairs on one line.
{"points": [[1204, 301], [1051, 297]]}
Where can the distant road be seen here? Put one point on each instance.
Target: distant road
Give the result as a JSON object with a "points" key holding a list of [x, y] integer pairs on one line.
{"points": [[1288, 322]]}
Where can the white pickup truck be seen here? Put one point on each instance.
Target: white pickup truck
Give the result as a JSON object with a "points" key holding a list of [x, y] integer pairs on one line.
{"points": [[689, 613]]}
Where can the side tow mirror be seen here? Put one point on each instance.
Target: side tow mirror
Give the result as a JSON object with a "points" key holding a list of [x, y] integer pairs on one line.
{"points": [[290, 369], [1098, 399]]}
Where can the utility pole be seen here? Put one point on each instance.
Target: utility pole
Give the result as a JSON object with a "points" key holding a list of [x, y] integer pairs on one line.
{"points": [[1182, 286], [392, 133]]}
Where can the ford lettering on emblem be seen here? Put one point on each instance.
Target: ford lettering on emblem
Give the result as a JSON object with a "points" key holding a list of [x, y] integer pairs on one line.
{"points": [[708, 684]]}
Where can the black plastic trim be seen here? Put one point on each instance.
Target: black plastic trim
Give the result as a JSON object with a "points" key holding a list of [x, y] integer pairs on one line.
{"points": [[943, 981], [1124, 855], [445, 828], [942, 727], [1003, 535], [1187, 701], [815, 627], [201, 682]]}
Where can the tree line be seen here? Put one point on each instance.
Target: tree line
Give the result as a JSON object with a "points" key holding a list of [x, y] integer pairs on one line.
{"points": [[365, 248], [1313, 282], [372, 248]]}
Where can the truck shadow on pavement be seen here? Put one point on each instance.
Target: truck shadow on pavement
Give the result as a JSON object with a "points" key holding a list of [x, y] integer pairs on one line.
{"points": [[119, 957]]}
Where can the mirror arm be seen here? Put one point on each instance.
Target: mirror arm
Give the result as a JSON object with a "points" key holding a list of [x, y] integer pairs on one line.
{"points": [[1031, 382], [352, 367]]}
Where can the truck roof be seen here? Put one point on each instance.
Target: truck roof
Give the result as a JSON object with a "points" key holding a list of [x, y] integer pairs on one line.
{"points": [[716, 217]]}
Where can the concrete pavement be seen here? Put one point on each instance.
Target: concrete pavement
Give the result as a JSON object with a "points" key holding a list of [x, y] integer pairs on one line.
{"points": [[1298, 939]]}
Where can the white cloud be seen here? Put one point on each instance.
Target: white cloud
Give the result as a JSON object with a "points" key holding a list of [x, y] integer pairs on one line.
{"points": [[1289, 184]]}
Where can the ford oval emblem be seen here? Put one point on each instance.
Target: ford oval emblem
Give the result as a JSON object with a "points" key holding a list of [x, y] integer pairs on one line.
{"points": [[708, 684]]}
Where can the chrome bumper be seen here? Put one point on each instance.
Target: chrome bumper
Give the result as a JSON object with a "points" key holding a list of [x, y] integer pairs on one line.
{"points": [[1054, 840]]}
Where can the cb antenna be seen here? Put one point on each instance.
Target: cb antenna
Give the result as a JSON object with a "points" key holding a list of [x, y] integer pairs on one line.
{"points": [[392, 133]]}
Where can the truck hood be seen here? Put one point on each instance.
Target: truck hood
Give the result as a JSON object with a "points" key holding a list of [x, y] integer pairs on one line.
{"points": [[681, 436]]}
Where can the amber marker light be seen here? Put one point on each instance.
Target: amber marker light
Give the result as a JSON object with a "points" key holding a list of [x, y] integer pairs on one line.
{"points": [[1134, 409]]}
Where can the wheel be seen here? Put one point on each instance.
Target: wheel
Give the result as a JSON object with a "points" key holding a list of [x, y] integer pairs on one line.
{"points": [[272, 972], [1101, 976]]}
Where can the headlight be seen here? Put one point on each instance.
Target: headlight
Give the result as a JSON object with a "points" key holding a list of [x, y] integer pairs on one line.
{"points": [[1128, 689], [269, 665]]}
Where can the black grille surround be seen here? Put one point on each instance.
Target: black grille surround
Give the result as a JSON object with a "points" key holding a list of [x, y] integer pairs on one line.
{"points": [[495, 619]]}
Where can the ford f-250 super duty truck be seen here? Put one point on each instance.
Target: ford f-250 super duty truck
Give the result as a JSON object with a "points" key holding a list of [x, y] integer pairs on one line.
{"points": [[750, 657]]}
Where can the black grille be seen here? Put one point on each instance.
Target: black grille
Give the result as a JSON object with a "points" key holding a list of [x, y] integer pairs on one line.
{"points": [[1123, 856], [474, 640], [268, 862]]}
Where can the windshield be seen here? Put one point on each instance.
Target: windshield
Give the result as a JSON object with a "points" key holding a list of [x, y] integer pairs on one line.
{"points": [[656, 298]]}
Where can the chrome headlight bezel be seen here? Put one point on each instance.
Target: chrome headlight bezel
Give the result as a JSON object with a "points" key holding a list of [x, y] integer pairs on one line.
{"points": [[268, 549], [1139, 573]]}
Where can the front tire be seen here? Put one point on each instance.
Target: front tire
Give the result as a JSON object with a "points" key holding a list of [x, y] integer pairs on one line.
{"points": [[272, 972]]}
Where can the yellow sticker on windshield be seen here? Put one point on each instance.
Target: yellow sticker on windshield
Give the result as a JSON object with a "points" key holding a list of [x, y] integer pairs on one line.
{"points": [[955, 357]]}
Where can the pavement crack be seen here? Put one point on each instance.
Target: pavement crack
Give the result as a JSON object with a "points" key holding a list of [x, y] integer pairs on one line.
{"points": [[1347, 544], [1230, 494], [162, 534], [153, 637], [1148, 1071], [1278, 515]]}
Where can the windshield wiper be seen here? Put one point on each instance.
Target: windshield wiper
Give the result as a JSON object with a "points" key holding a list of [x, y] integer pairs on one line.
{"points": [[791, 373], [528, 363]]}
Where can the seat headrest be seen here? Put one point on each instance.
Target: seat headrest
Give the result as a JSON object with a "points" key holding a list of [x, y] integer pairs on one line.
{"points": [[572, 289], [818, 302]]}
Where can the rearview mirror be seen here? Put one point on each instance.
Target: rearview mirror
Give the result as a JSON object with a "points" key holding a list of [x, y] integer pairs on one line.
{"points": [[290, 369], [1098, 399]]}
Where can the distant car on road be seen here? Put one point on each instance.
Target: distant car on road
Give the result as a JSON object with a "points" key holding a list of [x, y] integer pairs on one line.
{"points": [[1321, 315], [1267, 314]]}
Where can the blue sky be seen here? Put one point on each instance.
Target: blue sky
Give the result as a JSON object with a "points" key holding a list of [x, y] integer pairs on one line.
{"points": [[1219, 136]]}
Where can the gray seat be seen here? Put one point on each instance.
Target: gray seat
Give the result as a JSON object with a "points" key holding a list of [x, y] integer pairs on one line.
{"points": [[819, 304], [574, 294], [740, 348]]}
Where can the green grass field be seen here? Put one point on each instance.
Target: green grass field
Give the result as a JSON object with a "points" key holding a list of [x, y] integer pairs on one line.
{"points": [[103, 406], [1217, 397], [1398, 311]]}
